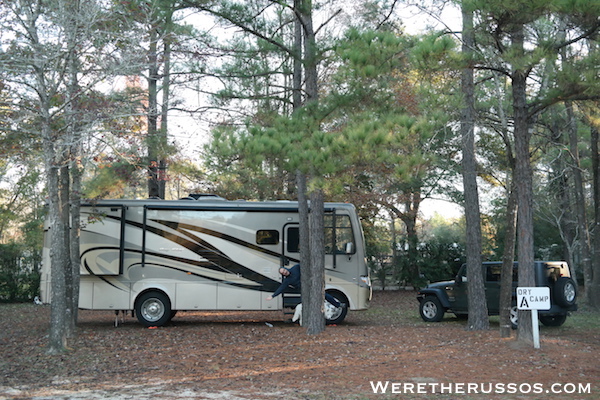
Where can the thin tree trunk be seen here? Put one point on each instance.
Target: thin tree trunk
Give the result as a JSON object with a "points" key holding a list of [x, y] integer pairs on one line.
{"points": [[594, 293], [508, 257], [313, 298], [152, 140], [75, 168], [310, 52], [580, 204], [297, 73], [524, 178], [59, 257], [315, 313], [166, 98], [303, 223], [409, 218], [478, 312], [65, 216], [305, 245]]}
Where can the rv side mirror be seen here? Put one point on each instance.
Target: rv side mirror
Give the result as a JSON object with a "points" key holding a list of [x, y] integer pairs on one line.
{"points": [[349, 248]]}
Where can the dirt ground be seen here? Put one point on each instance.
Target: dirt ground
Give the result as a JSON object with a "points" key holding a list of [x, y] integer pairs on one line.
{"points": [[241, 356]]}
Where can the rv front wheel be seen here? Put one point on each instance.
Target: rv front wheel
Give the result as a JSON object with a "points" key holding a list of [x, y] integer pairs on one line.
{"points": [[335, 315], [153, 309]]}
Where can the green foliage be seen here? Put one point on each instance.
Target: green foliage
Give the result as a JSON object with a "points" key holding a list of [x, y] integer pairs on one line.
{"points": [[443, 248], [435, 52], [19, 273], [114, 180], [378, 239]]}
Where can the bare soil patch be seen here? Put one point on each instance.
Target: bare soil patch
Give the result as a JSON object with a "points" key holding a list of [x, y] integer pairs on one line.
{"points": [[234, 355]]}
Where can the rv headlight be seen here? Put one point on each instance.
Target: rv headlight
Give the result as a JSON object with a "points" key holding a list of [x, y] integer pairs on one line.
{"points": [[366, 281]]}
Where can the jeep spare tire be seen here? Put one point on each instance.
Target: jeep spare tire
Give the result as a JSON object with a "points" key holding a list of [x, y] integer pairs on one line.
{"points": [[565, 292], [431, 309]]}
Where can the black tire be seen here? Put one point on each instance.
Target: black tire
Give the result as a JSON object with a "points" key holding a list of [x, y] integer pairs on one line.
{"points": [[336, 314], [431, 309], [553, 320], [565, 292], [153, 309]]}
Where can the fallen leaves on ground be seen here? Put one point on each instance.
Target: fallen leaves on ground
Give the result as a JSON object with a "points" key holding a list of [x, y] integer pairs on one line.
{"points": [[260, 355]]}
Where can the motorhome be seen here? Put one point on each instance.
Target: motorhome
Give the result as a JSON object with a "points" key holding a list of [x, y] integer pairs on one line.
{"points": [[157, 257]]}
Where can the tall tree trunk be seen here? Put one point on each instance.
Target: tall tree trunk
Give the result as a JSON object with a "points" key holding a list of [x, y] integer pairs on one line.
{"points": [[297, 73], [409, 218], [303, 215], [510, 239], [313, 298], [74, 127], [593, 295], [153, 134], [310, 53], [315, 313], [565, 219], [63, 284], [508, 257], [305, 244], [166, 98], [58, 253], [580, 203], [478, 312], [524, 179], [65, 216], [75, 210]]}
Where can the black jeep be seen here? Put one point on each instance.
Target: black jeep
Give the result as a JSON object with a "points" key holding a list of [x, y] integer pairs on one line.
{"points": [[451, 296]]}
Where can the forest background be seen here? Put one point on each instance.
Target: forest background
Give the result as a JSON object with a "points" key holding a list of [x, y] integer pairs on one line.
{"points": [[93, 95]]}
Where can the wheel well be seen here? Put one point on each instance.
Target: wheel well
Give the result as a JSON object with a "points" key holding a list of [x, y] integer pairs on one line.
{"points": [[338, 295], [438, 295]]}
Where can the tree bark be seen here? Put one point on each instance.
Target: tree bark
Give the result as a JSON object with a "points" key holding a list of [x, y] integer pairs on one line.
{"points": [[409, 218], [478, 312], [74, 170], [580, 203], [313, 298], [303, 223], [524, 178], [594, 293], [508, 257], [297, 62], [58, 255], [152, 115], [316, 274]]}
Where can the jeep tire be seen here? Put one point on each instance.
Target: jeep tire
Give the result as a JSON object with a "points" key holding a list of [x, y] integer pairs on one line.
{"points": [[431, 309], [565, 292], [553, 320]]}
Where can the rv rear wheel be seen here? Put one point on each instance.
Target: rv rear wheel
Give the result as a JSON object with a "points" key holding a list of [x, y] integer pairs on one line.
{"points": [[153, 309]]}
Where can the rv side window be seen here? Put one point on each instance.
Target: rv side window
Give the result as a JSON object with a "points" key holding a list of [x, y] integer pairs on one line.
{"points": [[343, 233], [267, 236]]}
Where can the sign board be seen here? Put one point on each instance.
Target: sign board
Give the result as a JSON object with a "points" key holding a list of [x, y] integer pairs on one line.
{"points": [[533, 298]]}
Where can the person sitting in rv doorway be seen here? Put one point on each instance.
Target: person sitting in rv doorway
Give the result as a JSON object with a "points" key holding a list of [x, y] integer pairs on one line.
{"points": [[292, 279]]}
